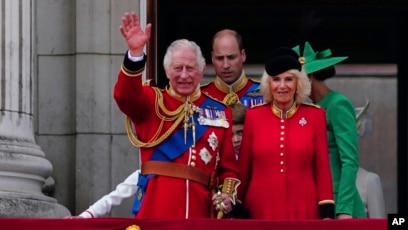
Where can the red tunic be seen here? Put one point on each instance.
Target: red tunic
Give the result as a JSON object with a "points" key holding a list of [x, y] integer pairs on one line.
{"points": [[246, 89], [169, 197], [284, 163]]}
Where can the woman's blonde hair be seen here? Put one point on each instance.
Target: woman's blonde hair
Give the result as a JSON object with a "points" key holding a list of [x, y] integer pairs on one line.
{"points": [[303, 87]]}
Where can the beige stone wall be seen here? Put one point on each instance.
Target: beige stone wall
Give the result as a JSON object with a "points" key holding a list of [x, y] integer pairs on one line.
{"points": [[78, 126]]}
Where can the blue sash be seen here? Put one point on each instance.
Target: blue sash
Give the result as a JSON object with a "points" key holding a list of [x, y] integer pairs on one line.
{"points": [[250, 100], [172, 148]]}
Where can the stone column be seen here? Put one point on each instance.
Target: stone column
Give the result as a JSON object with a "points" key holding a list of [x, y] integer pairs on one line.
{"points": [[23, 167]]}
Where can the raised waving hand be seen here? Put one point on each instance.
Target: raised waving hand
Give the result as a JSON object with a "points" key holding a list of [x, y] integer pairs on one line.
{"points": [[133, 34]]}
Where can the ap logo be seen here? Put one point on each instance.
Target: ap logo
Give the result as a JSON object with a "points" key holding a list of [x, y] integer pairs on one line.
{"points": [[397, 221]]}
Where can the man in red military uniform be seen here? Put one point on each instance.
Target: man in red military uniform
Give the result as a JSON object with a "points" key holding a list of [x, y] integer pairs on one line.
{"points": [[231, 84], [184, 136]]}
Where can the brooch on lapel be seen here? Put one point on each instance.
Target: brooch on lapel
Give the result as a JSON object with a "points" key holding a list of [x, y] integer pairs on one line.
{"points": [[302, 121]]}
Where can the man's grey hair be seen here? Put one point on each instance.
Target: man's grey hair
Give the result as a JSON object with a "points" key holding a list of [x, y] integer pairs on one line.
{"points": [[183, 43]]}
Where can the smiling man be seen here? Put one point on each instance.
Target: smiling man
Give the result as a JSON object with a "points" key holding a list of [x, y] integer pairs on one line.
{"points": [[183, 135]]}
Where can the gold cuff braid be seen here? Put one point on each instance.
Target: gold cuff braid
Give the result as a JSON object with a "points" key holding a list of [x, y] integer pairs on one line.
{"points": [[229, 187]]}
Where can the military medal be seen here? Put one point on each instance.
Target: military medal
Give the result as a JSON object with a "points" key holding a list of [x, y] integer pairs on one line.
{"points": [[205, 155], [212, 117], [213, 141]]}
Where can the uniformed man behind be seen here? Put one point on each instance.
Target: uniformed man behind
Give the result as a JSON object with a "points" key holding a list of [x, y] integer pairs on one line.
{"points": [[231, 84]]}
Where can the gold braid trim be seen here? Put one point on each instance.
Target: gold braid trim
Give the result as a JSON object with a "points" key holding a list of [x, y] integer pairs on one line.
{"points": [[229, 187], [177, 116], [130, 72], [231, 98]]}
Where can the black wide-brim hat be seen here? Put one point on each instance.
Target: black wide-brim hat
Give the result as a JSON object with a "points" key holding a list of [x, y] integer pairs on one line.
{"points": [[315, 61], [280, 60]]}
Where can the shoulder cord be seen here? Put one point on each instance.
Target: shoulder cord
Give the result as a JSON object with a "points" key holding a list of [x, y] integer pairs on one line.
{"points": [[230, 99], [177, 115]]}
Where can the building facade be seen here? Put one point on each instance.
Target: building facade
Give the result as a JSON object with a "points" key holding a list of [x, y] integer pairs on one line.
{"points": [[76, 49]]}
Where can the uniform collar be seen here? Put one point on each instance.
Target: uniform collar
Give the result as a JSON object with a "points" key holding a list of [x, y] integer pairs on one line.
{"points": [[191, 98], [281, 114], [239, 84]]}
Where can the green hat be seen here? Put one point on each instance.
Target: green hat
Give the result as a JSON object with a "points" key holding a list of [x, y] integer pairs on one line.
{"points": [[314, 61]]}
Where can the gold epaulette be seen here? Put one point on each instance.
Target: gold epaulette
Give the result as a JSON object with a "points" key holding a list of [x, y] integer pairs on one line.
{"points": [[254, 80], [311, 104], [215, 99], [205, 84]]}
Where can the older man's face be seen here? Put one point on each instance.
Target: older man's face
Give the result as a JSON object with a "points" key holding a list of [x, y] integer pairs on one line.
{"points": [[183, 73]]}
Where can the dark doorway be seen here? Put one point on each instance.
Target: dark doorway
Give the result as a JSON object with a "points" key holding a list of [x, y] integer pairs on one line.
{"points": [[366, 33]]}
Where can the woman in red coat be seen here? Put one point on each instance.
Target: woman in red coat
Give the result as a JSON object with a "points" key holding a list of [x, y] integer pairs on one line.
{"points": [[284, 161]]}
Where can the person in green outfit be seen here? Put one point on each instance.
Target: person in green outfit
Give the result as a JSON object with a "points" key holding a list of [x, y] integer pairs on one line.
{"points": [[341, 130]]}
